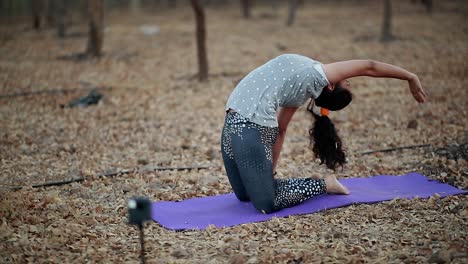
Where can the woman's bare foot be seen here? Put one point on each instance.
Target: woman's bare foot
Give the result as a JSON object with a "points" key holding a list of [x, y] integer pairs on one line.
{"points": [[334, 186]]}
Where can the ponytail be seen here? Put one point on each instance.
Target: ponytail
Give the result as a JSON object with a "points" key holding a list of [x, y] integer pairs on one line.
{"points": [[326, 142]]}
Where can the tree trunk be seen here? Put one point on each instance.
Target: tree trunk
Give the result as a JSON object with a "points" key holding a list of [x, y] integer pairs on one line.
{"points": [[60, 16], [292, 12], [246, 8], [96, 27], [51, 12], [274, 7], [428, 4], [37, 10], [172, 3], [387, 22], [201, 37], [135, 6]]}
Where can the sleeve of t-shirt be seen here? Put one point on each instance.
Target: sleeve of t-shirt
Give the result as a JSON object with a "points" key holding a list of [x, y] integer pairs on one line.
{"points": [[319, 68]]}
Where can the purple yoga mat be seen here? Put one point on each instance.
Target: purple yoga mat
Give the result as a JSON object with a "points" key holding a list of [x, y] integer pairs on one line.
{"points": [[226, 210]]}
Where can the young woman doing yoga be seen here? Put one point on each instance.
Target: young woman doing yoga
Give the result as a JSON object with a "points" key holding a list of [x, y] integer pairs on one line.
{"points": [[258, 113]]}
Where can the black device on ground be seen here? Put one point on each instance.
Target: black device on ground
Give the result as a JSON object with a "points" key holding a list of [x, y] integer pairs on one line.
{"points": [[139, 211]]}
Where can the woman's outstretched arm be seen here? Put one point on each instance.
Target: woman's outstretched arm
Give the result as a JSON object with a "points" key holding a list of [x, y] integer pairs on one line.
{"points": [[342, 70]]}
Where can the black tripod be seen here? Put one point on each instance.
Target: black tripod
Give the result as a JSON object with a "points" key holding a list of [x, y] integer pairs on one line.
{"points": [[142, 244], [139, 211]]}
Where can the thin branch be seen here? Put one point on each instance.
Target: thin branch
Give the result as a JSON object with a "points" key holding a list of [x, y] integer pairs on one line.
{"points": [[111, 174], [151, 169], [51, 91], [395, 149], [47, 184]]}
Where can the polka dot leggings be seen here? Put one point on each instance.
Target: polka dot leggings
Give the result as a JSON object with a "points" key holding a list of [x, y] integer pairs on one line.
{"points": [[247, 155]]}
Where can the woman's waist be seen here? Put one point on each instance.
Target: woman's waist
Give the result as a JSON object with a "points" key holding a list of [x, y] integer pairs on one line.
{"points": [[234, 116]]}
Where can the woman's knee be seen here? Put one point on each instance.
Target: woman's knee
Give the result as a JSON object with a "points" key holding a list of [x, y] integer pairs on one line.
{"points": [[242, 196], [265, 206]]}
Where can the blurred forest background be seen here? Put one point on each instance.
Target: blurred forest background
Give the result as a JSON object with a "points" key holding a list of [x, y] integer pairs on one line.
{"points": [[101, 101]]}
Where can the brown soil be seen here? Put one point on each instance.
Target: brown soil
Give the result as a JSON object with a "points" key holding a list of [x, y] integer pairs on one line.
{"points": [[156, 114]]}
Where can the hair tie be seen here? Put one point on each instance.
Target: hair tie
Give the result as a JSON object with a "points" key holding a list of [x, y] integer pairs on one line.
{"points": [[320, 111]]}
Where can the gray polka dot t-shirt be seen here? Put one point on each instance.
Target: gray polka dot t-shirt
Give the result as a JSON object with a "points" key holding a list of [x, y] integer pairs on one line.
{"points": [[287, 80]]}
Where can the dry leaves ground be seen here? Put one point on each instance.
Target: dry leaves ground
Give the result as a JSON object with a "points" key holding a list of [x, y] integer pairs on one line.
{"points": [[156, 114]]}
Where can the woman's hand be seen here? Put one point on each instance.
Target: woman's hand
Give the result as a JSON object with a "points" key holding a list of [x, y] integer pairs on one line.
{"points": [[416, 89]]}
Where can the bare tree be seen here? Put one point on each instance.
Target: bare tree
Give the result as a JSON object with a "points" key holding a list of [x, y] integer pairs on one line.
{"points": [[274, 6], [37, 12], [96, 27], [428, 4], [387, 22], [51, 12], [201, 39], [172, 3], [135, 6], [61, 13], [245, 8], [292, 12]]}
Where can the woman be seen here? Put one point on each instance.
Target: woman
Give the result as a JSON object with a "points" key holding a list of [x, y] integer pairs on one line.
{"points": [[258, 113]]}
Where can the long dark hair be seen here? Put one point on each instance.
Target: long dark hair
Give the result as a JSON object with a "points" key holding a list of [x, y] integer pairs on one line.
{"points": [[327, 144]]}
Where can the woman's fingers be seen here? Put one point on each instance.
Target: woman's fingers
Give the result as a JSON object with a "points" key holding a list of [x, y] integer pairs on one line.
{"points": [[418, 97], [423, 92], [421, 97]]}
